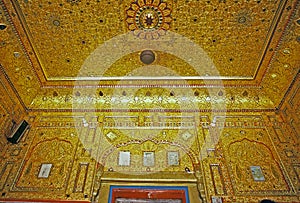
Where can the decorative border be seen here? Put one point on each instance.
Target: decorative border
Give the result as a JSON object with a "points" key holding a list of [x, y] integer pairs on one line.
{"points": [[224, 192], [155, 110], [13, 88], [289, 91]]}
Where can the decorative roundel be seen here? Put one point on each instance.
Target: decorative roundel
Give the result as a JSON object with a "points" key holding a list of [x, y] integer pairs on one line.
{"points": [[148, 19]]}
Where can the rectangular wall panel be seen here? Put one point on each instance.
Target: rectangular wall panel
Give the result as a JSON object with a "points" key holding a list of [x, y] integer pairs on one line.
{"points": [[217, 179], [5, 173], [81, 177], [90, 138], [297, 171], [280, 135], [295, 127]]}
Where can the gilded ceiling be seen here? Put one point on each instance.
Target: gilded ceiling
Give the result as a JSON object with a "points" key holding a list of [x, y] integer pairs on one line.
{"points": [[216, 54]]}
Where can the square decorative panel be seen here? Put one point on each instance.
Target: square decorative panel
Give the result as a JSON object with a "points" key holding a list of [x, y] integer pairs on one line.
{"points": [[173, 158], [45, 170], [257, 173], [124, 158], [148, 159]]}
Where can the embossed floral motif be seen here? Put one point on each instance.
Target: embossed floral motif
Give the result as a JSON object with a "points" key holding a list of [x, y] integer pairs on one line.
{"points": [[148, 19]]}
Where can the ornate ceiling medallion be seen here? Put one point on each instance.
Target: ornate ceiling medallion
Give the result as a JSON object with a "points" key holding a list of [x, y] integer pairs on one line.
{"points": [[148, 19]]}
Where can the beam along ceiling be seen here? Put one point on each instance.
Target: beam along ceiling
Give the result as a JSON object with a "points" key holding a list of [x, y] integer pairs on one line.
{"points": [[86, 54]]}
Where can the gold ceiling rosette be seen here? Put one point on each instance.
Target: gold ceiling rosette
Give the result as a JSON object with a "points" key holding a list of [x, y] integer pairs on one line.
{"points": [[148, 19]]}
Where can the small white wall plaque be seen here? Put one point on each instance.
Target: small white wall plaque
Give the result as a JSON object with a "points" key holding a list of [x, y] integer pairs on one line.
{"points": [[45, 170], [112, 136], [124, 158], [186, 136], [173, 158], [148, 159], [216, 200], [257, 173]]}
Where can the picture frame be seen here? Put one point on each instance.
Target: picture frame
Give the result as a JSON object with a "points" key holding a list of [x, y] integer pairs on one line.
{"points": [[124, 158], [45, 170], [173, 158], [148, 159], [215, 199], [257, 173]]}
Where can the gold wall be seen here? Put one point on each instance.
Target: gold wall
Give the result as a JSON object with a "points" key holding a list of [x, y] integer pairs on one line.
{"points": [[229, 108], [219, 151]]}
